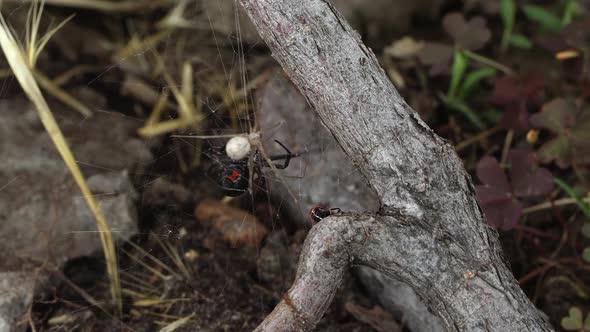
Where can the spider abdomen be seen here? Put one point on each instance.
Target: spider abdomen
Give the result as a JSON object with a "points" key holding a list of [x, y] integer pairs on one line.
{"points": [[234, 179]]}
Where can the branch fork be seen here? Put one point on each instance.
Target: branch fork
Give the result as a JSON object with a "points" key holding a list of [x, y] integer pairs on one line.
{"points": [[430, 232]]}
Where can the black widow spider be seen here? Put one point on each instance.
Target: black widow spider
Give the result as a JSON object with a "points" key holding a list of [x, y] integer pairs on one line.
{"points": [[234, 178]]}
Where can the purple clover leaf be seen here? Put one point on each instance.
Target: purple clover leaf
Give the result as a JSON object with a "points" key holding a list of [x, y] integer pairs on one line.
{"points": [[499, 198]]}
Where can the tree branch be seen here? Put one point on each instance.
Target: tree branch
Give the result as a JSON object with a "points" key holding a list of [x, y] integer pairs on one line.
{"points": [[430, 232]]}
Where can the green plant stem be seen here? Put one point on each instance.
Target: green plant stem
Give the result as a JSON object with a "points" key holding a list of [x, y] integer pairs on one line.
{"points": [[569, 12], [584, 207], [461, 107], [460, 64], [548, 205], [508, 12], [488, 61]]}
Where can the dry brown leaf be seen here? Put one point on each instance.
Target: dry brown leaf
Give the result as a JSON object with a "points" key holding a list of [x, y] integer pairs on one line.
{"points": [[404, 47], [237, 227]]}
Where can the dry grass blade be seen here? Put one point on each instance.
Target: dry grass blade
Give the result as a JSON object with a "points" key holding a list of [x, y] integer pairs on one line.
{"points": [[176, 324], [150, 302], [189, 115], [175, 18], [61, 94], [185, 108], [34, 44], [139, 280], [158, 108], [16, 58], [188, 93], [172, 253], [151, 130], [151, 257], [147, 266], [64, 77], [137, 45], [133, 289], [137, 295]]}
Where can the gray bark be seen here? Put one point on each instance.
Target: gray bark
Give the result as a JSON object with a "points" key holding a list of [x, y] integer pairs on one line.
{"points": [[327, 178], [430, 232]]}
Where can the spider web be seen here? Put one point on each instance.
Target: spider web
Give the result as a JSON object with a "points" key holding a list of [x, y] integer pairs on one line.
{"points": [[239, 90]]}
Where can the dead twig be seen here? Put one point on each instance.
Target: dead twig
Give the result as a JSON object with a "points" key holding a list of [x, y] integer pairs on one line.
{"points": [[430, 231]]}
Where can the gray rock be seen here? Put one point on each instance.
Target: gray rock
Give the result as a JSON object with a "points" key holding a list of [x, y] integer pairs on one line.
{"points": [[16, 294], [400, 300], [276, 262], [43, 215], [117, 201]]}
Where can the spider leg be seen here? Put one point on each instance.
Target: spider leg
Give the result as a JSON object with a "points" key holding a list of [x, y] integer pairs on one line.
{"points": [[287, 157], [252, 168], [259, 180]]}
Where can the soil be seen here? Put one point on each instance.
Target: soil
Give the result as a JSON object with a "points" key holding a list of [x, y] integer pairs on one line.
{"points": [[225, 289]]}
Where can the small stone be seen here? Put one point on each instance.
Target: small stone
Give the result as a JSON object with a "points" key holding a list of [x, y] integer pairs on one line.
{"points": [[191, 255], [182, 232], [17, 289], [276, 261]]}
